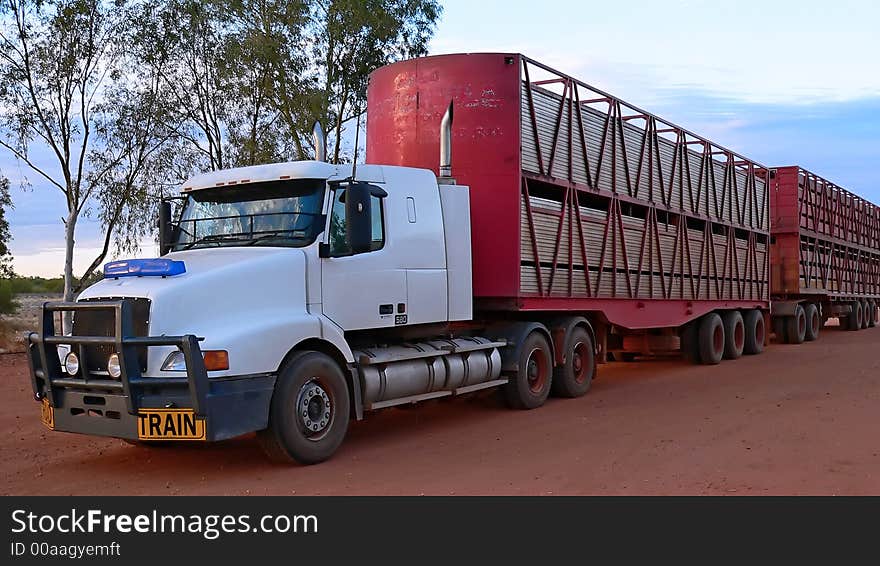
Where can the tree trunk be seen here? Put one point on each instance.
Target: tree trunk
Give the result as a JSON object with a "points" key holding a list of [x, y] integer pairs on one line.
{"points": [[69, 231]]}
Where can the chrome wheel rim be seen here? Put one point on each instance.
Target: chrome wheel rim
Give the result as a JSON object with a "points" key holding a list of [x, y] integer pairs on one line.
{"points": [[314, 410]]}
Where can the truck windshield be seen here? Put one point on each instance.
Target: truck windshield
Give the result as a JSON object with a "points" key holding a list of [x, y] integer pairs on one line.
{"points": [[275, 213]]}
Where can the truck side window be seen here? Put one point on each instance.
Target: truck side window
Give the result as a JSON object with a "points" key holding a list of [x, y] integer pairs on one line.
{"points": [[338, 245]]}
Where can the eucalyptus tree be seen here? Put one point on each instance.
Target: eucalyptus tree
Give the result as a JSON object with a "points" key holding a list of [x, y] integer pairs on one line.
{"points": [[67, 90], [350, 39]]}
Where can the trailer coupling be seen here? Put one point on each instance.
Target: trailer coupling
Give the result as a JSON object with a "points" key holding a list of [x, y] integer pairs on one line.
{"points": [[132, 406]]}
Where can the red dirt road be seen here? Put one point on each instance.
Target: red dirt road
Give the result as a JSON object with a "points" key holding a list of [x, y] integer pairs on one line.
{"points": [[794, 420]]}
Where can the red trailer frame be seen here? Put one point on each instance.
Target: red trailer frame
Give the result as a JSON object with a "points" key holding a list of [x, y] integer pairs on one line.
{"points": [[825, 245], [580, 201]]}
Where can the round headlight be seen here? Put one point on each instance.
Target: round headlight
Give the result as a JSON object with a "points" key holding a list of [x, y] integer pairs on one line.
{"points": [[113, 367], [71, 364]]}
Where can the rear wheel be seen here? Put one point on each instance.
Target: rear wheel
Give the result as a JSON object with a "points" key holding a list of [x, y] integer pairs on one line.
{"points": [[530, 386], [710, 338], [796, 326], [813, 323], [866, 314], [573, 378], [734, 334], [854, 319], [778, 323], [753, 321], [309, 413], [872, 314], [689, 344]]}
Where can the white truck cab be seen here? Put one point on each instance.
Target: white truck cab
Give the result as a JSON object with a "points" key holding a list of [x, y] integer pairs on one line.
{"points": [[251, 240]]}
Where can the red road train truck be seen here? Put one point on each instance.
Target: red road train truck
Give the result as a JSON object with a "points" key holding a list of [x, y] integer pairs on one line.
{"points": [[572, 225], [825, 255]]}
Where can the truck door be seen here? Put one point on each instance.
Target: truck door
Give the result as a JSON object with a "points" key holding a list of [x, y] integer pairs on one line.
{"points": [[365, 290]]}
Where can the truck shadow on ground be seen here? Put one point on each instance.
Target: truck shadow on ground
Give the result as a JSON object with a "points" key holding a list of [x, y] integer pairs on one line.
{"points": [[182, 463]]}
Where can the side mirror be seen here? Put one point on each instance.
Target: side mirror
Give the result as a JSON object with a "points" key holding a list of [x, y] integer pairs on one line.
{"points": [[166, 229], [358, 218]]}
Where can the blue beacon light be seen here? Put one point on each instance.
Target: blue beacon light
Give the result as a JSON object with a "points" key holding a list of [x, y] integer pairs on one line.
{"points": [[157, 267]]}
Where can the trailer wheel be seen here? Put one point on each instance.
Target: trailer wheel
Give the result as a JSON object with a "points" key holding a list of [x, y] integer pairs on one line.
{"points": [[812, 315], [690, 349], [573, 378], [734, 334], [854, 319], [778, 323], [866, 314], [710, 338], [796, 326], [753, 321], [872, 314], [529, 387], [309, 413]]}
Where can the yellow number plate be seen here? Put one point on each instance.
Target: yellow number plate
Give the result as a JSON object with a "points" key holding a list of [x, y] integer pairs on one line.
{"points": [[170, 424], [47, 414]]}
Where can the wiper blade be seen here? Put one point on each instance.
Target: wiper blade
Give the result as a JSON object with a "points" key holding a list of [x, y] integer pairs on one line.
{"points": [[213, 238], [272, 234]]}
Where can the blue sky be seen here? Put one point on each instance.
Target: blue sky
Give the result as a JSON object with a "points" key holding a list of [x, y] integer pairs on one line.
{"points": [[782, 82]]}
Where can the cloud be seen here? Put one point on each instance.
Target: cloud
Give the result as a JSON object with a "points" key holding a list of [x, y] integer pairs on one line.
{"points": [[785, 51]]}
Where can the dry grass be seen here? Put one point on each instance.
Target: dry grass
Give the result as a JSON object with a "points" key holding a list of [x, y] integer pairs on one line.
{"points": [[13, 327]]}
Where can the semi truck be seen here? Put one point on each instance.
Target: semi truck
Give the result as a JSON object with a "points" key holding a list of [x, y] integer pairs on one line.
{"points": [[291, 298]]}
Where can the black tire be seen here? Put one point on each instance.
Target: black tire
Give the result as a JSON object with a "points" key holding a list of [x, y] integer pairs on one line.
{"points": [[710, 339], [813, 322], [778, 323], [529, 387], [734, 334], [573, 378], [796, 326], [310, 410], [753, 321], [872, 314], [866, 314], [854, 319], [690, 349]]}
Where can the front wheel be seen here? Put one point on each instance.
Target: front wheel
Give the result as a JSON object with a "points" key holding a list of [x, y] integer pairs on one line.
{"points": [[309, 413]]}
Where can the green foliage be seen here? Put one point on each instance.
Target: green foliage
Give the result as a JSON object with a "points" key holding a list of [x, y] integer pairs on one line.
{"points": [[5, 234], [249, 77], [351, 38], [38, 285], [7, 297]]}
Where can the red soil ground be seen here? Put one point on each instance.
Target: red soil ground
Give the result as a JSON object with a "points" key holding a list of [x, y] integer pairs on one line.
{"points": [[794, 420]]}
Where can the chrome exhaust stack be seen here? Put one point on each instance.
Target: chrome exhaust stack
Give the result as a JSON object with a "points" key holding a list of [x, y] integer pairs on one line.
{"points": [[320, 141], [445, 177]]}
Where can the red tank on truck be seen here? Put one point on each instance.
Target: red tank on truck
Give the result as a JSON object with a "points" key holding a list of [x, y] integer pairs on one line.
{"points": [[571, 228]]}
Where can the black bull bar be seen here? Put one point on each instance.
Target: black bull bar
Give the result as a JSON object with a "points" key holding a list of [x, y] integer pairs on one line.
{"points": [[230, 406], [45, 366]]}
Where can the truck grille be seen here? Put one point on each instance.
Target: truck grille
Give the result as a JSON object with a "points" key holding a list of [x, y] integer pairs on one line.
{"points": [[103, 323]]}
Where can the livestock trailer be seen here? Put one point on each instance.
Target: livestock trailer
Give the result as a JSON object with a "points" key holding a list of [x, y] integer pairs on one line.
{"points": [[583, 203], [825, 255]]}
